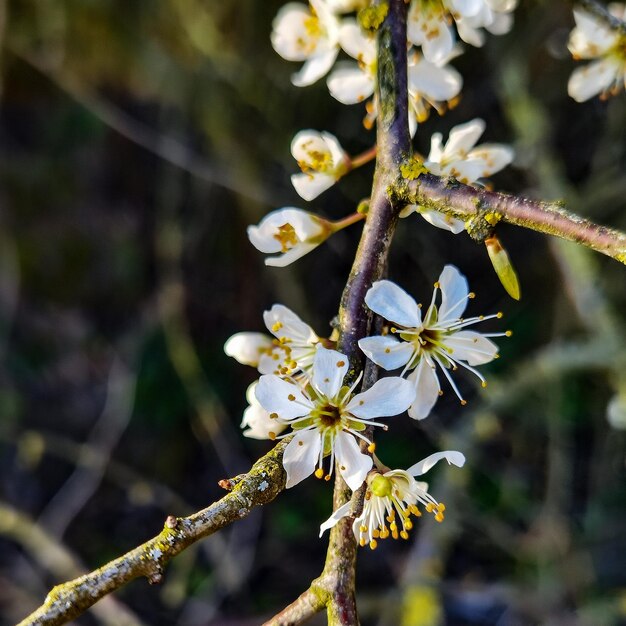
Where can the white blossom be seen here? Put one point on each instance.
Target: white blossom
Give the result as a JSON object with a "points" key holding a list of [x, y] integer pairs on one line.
{"points": [[308, 33], [433, 85], [390, 500], [257, 421], [437, 342], [346, 6], [459, 158], [354, 82], [493, 15], [289, 352], [328, 418], [289, 232], [322, 161], [606, 47]]}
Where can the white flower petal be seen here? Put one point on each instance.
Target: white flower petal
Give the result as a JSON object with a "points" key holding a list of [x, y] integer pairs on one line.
{"points": [[339, 514], [465, 8], [356, 43], [311, 184], [452, 456], [435, 82], [386, 351], [329, 369], [494, 156], [454, 294], [438, 45], [463, 138], [259, 424], [393, 303], [246, 348], [385, 398], [445, 222], [297, 252], [352, 463], [427, 388], [279, 396], [586, 82], [301, 456], [349, 84], [290, 37], [315, 67], [281, 321], [472, 347]]}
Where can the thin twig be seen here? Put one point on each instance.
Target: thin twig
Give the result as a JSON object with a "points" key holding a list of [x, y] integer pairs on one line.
{"points": [[482, 210], [259, 486]]}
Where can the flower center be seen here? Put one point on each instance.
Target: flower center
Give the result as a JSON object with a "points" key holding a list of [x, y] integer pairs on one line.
{"points": [[286, 236], [327, 416]]}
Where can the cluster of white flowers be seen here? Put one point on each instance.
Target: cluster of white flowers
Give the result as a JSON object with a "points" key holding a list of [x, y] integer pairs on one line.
{"points": [[605, 47], [303, 388], [307, 389]]}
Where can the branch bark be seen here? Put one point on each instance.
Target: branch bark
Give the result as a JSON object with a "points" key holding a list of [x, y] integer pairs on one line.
{"points": [[260, 485], [334, 589], [482, 210]]}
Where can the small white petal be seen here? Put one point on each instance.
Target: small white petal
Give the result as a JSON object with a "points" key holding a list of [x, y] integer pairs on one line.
{"points": [[385, 398], [315, 67], [436, 83], [246, 348], [471, 347], [494, 156], [297, 252], [301, 456], [329, 369], [339, 514], [279, 396], [310, 185], [356, 43], [436, 49], [452, 456], [352, 463], [259, 424], [349, 84], [445, 222], [454, 294], [463, 138], [427, 387], [386, 351], [281, 321], [393, 303], [586, 82]]}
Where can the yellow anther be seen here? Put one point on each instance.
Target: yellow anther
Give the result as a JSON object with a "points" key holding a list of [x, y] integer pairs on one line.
{"points": [[471, 295], [408, 524], [376, 533], [430, 507], [437, 285], [394, 534], [404, 534], [509, 333], [363, 528], [319, 473], [439, 517], [327, 477], [463, 402], [373, 544], [483, 384], [394, 527], [499, 314], [371, 448], [441, 507], [277, 326], [362, 541], [291, 397], [384, 533]]}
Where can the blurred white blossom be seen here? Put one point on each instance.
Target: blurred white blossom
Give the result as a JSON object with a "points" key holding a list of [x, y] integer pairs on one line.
{"points": [[605, 47]]}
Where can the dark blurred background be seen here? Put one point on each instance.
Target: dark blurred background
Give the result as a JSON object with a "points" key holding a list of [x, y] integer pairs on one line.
{"points": [[137, 141]]}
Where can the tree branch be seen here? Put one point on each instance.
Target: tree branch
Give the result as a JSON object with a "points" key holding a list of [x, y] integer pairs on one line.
{"points": [[260, 485], [482, 210], [334, 589]]}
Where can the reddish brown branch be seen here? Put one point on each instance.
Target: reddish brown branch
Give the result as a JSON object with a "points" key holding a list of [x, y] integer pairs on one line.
{"points": [[482, 210]]}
